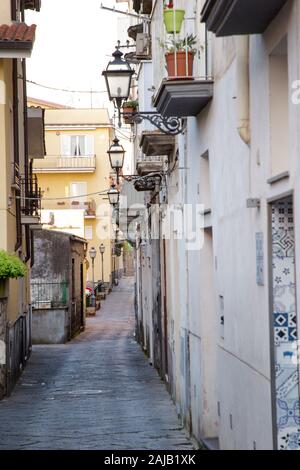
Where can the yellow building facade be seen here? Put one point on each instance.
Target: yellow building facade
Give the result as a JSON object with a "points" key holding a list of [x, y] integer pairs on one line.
{"points": [[16, 223], [74, 178]]}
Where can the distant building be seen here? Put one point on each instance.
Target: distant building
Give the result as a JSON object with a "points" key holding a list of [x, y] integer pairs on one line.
{"points": [[57, 286], [74, 171]]}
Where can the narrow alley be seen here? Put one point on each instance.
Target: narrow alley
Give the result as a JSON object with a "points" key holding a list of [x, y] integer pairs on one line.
{"points": [[96, 392]]}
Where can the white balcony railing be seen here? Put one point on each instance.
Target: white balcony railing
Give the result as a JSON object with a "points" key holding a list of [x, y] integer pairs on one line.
{"points": [[52, 164]]}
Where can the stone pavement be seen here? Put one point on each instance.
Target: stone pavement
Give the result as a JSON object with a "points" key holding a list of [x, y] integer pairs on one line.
{"points": [[96, 392]]}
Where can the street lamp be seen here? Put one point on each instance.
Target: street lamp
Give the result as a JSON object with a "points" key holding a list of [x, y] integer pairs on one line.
{"points": [[116, 155], [113, 196], [118, 76], [93, 254], [102, 250]]}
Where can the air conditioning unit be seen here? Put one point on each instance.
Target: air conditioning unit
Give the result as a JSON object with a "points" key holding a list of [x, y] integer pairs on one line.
{"points": [[143, 45]]}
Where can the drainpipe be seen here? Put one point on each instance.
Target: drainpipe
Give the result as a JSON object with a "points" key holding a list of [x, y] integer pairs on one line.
{"points": [[243, 92]]}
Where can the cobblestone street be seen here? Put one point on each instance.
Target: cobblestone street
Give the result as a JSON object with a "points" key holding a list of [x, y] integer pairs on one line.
{"points": [[96, 392]]}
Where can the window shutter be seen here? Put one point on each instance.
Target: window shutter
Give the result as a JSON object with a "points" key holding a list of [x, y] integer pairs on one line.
{"points": [[65, 142], [89, 145]]}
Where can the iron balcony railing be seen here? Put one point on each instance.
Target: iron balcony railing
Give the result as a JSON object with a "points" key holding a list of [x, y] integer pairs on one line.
{"points": [[30, 196], [15, 175], [58, 164]]}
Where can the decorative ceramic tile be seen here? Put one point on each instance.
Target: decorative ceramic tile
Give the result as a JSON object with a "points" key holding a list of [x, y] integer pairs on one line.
{"points": [[289, 439], [282, 274], [281, 319], [285, 326], [289, 387], [286, 355], [281, 335], [288, 413], [284, 299]]}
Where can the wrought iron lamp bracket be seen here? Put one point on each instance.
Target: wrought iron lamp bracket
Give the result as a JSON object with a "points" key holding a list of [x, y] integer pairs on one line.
{"points": [[167, 125]]}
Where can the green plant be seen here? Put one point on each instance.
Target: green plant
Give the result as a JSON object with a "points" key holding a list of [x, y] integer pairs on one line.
{"points": [[131, 104], [185, 44], [11, 266], [127, 247]]}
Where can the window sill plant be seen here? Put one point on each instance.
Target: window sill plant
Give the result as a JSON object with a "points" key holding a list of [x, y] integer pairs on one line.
{"points": [[11, 267], [173, 19], [180, 57]]}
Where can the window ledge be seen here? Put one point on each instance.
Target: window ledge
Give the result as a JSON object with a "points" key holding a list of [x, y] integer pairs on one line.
{"points": [[280, 177]]}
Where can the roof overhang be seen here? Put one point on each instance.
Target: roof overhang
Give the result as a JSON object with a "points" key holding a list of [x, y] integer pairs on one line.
{"points": [[238, 17], [16, 40], [183, 98]]}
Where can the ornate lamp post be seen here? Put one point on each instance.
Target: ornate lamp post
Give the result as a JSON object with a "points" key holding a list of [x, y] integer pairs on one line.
{"points": [[118, 76], [113, 196], [93, 254], [102, 251], [116, 155]]}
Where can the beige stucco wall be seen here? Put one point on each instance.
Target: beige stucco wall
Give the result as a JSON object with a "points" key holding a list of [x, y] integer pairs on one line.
{"points": [[5, 14]]}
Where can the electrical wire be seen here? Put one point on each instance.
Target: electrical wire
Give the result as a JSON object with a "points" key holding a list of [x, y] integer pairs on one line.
{"points": [[99, 193], [65, 90], [48, 87]]}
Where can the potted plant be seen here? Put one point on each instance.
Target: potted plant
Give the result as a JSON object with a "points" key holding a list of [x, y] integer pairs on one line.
{"points": [[172, 18], [10, 267], [180, 56], [129, 107]]}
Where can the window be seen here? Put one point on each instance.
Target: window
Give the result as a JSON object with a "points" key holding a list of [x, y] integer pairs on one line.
{"points": [[77, 190], [88, 232], [77, 145]]}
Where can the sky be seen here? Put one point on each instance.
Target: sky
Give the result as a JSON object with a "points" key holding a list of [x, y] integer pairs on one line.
{"points": [[74, 42]]}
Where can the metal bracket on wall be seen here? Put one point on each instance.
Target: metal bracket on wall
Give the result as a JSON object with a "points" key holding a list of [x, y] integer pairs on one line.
{"points": [[167, 125]]}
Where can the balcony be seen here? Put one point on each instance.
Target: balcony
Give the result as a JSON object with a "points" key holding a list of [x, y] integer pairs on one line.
{"points": [[238, 17], [142, 6], [30, 202], [154, 164], [61, 164], [32, 5], [181, 72], [89, 207], [156, 143], [183, 98]]}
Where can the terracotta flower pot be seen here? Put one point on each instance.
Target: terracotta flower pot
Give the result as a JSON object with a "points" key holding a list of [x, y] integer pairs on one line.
{"points": [[183, 66], [128, 111], [171, 16]]}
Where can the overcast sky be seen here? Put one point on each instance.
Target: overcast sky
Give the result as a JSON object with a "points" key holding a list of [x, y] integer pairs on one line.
{"points": [[74, 42]]}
